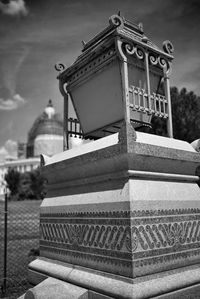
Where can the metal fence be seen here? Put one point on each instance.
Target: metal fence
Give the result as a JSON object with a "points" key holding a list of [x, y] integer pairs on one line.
{"points": [[19, 244]]}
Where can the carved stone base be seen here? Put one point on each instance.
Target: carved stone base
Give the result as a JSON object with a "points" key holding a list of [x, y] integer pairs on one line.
{"points": [[184, 283], [125, 216], [131, 243]]}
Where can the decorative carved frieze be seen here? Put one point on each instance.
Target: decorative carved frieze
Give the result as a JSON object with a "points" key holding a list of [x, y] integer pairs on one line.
{"points": [[138, 238]]}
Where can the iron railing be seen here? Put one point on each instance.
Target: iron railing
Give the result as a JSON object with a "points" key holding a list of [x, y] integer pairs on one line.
{"points": [[154, 104], [74, 128]]}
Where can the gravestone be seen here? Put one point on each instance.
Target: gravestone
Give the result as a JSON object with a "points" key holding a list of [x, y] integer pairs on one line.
{"points": [[121, 218]]}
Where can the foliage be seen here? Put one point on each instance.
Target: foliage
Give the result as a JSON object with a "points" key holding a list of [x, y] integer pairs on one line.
{"points": [[185, 117], [25, 190], [38, 184], [185, 114], [159, 126], [12, 178], [28, 185]]}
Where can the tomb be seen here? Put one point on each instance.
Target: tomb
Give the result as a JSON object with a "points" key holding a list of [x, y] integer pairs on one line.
{"points": [[121, 218]]}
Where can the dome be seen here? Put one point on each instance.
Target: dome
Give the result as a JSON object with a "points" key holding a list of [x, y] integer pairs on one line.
{"points": [[46, 134], [49, 110]]}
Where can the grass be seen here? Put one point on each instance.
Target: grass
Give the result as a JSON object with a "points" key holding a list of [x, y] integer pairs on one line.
{"points": [[23, 235]]}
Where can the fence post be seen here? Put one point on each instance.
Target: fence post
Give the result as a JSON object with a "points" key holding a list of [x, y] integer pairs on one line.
{"points": [[5, 239]]}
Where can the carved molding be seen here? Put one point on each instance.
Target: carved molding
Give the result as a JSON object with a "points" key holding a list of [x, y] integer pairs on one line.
{"points": [[123, 214], [131, 236], [126, 238], [93, 65]]}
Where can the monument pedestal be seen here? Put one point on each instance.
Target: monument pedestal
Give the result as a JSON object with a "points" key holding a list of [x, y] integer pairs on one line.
{"points": [[179, 283], [122, 218], [122, 214]]}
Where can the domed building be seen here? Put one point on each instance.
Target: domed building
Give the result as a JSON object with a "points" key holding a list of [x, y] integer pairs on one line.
{"points": [[46, 134], [45, 137]]}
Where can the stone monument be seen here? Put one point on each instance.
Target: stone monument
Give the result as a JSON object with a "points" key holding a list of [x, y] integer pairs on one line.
{"points": [[122, 214]]}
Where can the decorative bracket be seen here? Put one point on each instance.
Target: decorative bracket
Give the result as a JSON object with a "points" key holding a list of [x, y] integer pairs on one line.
{"points": [[60, 67], [116, 21]]}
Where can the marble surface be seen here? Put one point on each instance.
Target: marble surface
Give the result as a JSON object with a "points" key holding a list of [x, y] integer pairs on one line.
{"points": [[113, 139], [174, 284], [128, 208]]}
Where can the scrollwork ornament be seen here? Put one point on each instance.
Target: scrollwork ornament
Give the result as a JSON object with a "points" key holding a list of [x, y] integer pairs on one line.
{"points": [[168, 47], [139, 53], [130, 49], [63, 88], [115, 20], [60, 67], [153, 59], [163, 63]]}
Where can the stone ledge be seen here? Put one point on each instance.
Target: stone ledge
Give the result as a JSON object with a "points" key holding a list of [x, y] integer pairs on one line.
{"points": [[52, 288], [114, 285]]}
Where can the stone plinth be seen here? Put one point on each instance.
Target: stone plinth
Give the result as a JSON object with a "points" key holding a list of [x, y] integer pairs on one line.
{"points": [[125, 210]]}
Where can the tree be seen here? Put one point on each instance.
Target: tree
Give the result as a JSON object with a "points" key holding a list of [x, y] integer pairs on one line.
{"points": [[37, 184], [159, 126], [185, 114], [24, 190], [31, 186], [12, 178], [28, 185]]}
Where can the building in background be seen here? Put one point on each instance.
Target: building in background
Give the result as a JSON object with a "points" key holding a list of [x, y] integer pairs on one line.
{"points": [[44, 137], [46, 134]]}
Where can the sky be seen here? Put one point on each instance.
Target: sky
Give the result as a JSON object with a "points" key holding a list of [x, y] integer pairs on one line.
{"points": [[35, 34]]}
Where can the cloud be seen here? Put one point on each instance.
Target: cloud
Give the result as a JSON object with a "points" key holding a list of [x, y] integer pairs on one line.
{"points": [[3, 154], [12, 67], [10, 99], [12, 103], [14, 8], [9, 150], [11, 147]]}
